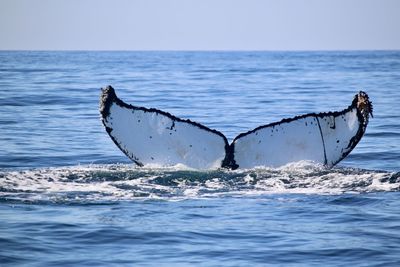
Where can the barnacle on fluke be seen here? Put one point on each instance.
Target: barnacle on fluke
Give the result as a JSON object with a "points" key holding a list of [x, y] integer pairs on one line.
{"points": [[150, 136]]}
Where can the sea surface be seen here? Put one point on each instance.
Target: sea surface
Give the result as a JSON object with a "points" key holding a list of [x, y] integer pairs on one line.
{"points": [[69, 197]]}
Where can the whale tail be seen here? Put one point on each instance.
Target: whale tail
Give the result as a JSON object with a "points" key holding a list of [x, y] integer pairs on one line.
{"points": [[325, 138], [153, 137]]}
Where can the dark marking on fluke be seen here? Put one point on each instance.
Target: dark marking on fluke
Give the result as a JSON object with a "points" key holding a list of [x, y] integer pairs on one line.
{"points": [[360, 103], [323, 142]]}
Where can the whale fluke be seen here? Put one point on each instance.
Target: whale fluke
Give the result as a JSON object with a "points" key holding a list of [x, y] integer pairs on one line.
{"points": [[154, 137], [150, 136], [324, 138]]}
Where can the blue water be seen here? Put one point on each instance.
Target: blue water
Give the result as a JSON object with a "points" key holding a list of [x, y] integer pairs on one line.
{"points": [[69, 197]]}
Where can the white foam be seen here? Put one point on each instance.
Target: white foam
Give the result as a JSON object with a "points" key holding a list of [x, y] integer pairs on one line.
{"points": [[125, 182]]}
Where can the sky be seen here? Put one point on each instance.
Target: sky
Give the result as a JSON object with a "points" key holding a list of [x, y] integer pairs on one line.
{"points": [[199, 25]]}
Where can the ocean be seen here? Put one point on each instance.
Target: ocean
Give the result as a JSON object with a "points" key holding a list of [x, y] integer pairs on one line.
{"points": [[70, 197]]}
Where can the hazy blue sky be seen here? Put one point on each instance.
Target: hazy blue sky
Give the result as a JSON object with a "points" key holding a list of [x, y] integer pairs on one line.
{"points": [[200, 25]]}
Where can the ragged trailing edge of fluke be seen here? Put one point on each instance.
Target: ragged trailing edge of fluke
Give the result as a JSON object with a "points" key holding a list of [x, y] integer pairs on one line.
{"points": [[330, 153], [364, 106], [108, 97]]}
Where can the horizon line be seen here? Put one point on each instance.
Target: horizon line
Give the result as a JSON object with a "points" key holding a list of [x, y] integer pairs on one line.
{"points": [[200, 50]]}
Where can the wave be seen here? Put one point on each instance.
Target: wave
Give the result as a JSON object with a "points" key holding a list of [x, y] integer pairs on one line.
{"points": [[118, 182]]}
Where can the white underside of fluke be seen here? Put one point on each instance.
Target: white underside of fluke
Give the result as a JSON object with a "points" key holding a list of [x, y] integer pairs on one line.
{"points": [[319, 139], [153, 138], [280, 144], [156, 138]]}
